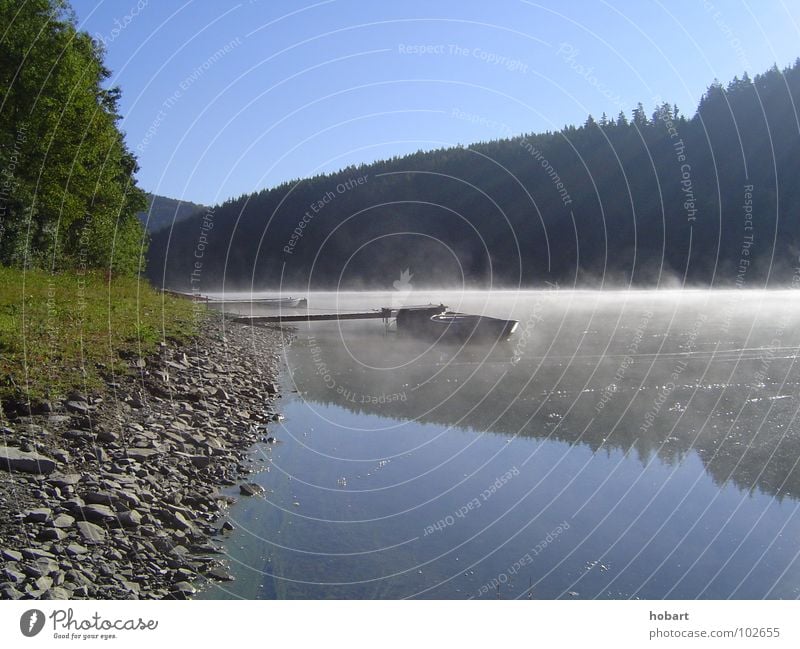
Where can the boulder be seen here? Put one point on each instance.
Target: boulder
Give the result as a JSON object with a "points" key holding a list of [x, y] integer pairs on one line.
{"points": [[98, 513], [63, 521], [52, 534], [79, 407], [38, 515], [76, 550], [142, 454], [91, 533], [63, 481], [7, 554], [13, 459], [130, 519]]}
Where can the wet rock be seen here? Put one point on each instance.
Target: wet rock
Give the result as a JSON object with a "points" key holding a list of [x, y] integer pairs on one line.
{"points": [[220, 574], [14, 459], [182, 590], [251, 489]]}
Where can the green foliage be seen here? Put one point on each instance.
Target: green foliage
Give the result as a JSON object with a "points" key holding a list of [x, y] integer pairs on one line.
{"points": [[70, 199]]}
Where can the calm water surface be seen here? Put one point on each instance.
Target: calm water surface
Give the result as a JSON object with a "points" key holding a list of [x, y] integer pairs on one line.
{"points": [[621, 445]]}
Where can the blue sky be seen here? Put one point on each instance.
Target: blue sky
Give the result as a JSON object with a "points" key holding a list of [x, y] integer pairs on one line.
{"points": [[226, 98]]}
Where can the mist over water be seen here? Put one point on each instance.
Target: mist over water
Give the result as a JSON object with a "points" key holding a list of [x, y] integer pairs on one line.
{"points": [[621, 444]]}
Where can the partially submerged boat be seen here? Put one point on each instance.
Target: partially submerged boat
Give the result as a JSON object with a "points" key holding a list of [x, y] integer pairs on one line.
{"points": [[436, 322]]}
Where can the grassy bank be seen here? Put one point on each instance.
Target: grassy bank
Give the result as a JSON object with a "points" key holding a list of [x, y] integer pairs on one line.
{"points": [[64, 332]]}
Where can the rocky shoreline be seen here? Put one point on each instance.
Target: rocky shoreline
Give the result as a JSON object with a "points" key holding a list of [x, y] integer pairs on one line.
{"points": [[116, 495]]}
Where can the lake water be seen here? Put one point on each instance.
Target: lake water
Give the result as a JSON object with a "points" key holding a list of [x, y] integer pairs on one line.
{"points": [[631, 444]]}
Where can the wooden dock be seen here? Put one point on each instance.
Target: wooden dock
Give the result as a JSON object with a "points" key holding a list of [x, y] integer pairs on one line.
{"points": [[384, 314]]}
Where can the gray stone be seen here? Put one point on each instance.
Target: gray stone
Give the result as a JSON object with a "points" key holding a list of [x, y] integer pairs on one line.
{"points": [[98, 454], [52, 534], [57, 592], [62, 521], [64, 480], [61, 455], [42, 567], [37, 553], [38, 515], [13, 459], [98, 513], [14, 576], [130, 519], [142, 454], [9, 592], [100, 497], [91, 533], [10, 555], [179, 522], [200, 461], [76, 550], [79, 407], [44, 583], [107, 436]]}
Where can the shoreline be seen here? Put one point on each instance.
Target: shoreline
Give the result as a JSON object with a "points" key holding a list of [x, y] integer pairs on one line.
{"points": [[116, 495]]}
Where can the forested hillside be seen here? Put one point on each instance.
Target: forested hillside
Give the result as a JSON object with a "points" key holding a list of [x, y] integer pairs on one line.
{"points": [[651, 199], [162, 212]]}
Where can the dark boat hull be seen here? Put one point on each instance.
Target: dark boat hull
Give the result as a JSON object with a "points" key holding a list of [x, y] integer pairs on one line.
{"points": [[438, 324]]}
